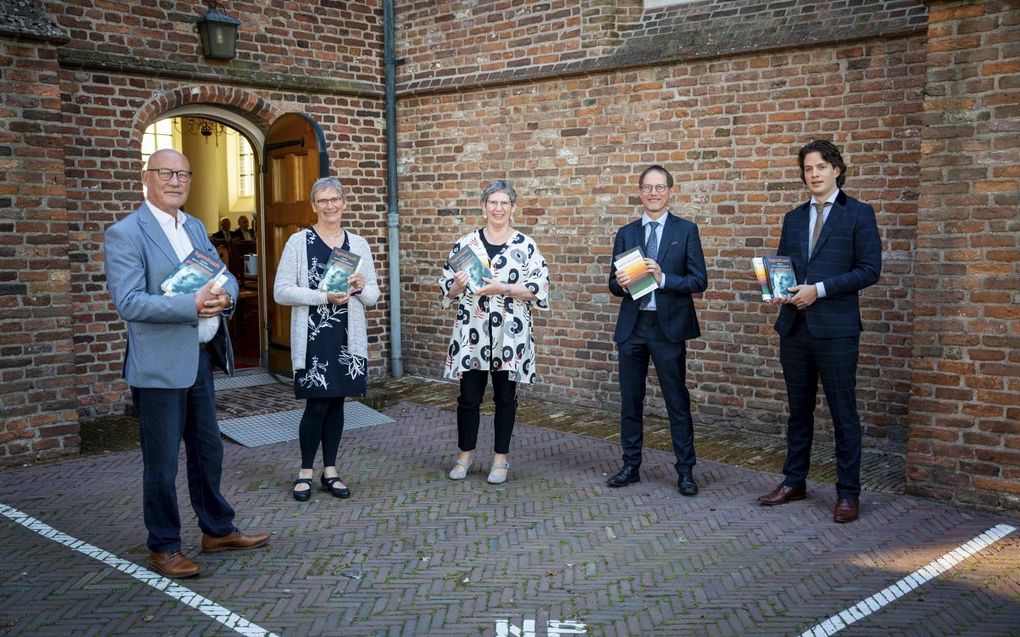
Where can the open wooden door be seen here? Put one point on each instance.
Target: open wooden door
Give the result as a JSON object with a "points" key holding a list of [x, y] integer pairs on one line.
{"points": [[295, 156]]}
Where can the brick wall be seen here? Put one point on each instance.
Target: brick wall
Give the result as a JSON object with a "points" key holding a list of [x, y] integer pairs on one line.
{"points": [[729, 130], [38, 401], [108, 114], [964, 411]]}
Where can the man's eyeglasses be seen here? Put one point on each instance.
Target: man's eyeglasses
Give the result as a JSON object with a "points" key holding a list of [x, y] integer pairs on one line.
{"points": [[334, 201], [499, 204], [648, 188], [165, 174]]}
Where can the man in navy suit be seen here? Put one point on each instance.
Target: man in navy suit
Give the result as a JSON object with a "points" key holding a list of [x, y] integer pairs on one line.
{"points": [[173, 342], [833, 242], [655, 326]]}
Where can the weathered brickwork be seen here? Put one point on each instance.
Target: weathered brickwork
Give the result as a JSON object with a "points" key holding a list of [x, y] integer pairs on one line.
{"points": [[38, 402], [729, 131], [965, 407]]}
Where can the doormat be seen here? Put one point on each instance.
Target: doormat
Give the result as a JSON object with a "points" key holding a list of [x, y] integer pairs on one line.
{"points": [[268, 429], [222, 381]]}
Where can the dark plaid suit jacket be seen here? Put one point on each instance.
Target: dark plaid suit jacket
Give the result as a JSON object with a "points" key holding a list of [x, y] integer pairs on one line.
{"points": [[846, 259]]}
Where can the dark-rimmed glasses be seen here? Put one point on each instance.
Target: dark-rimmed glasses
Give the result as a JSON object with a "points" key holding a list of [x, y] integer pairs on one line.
{"points": [[647, 188], [165, 174], [332, 201]]}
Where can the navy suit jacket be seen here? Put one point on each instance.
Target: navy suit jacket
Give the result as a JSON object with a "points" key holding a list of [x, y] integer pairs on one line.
{"points": [[846, 259], [682, 261]]}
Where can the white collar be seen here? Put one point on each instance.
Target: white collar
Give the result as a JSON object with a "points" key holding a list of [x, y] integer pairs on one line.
{"points": [[164, 218]]}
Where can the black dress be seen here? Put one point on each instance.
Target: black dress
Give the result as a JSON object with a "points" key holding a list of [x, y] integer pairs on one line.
{"points": [[331, 370]]}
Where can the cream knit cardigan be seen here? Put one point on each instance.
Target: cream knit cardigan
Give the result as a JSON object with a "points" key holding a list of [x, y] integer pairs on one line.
{"points": [[291, 288]]}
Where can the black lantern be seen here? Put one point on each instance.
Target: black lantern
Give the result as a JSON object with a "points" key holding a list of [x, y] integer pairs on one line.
{"points": [[219, 33]]}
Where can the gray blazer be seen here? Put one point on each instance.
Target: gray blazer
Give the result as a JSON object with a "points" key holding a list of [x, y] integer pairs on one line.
{"points": [[162, 347]]}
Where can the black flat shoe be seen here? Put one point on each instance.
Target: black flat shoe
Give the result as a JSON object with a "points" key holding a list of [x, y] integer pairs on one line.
{"points": [[686, 484], [627, 475], [303, 494], [338, 492]]}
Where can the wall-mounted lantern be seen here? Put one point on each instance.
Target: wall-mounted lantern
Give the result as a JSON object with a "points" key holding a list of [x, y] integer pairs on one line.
{"points": [[219, 33]]}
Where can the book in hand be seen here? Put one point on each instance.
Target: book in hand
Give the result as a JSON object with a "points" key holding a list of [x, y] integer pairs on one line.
{"points": [[467, 261], [192, 274], [775, 276], [341, 265], [642, 281]]}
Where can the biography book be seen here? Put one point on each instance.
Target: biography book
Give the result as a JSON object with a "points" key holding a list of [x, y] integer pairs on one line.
{"points": [[192, 274], [467, 261], [641, 280], [342, 264], [780, 275]]}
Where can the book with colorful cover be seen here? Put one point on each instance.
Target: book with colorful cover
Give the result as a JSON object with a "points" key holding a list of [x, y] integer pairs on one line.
{"points": [[465, 260], [341, 265], [191, 274], [763, 278], [642, 281], [780, 274]]}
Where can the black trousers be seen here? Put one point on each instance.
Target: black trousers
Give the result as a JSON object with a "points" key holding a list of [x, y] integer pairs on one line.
{"points": [[322, 423], [805, 359], [504, 395], [649, 342]]}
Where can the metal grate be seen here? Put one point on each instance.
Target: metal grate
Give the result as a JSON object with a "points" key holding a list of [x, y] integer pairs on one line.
{"points": [[268, 429]]}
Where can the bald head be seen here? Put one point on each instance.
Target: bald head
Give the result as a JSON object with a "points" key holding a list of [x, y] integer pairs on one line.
{"points": [[167, 180]]}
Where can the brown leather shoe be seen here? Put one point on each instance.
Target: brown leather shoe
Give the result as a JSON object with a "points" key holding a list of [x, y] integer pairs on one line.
{"points": [[846, 510], [173, 564], [236, 541], [783, 494]]}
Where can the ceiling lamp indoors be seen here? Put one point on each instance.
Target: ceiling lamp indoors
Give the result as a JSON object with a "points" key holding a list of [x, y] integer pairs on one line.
{"points": [[219, 33]]}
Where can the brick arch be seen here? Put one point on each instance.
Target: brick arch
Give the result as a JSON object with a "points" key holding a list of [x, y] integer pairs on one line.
{"points": [[257, 110]]}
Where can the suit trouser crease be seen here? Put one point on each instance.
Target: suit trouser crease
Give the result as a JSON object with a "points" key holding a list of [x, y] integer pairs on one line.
{"points": [[504, 396], [806, 359], [166, 417], [648, 342]]}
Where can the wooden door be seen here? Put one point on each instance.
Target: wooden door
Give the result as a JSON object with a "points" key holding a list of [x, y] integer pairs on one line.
{"points": [[295, 156]]}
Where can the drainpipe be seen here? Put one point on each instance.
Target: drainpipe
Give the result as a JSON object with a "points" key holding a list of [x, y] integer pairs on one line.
{"points": [[393, 221]]}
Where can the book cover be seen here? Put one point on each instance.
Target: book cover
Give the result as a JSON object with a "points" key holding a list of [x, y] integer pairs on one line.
{"points": [[763, 278], [641, 280], [467, 261], [191, 274], [781, 276], [341, 265]]}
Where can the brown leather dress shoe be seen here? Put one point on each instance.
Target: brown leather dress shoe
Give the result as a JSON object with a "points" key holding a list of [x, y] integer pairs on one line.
{"points": [[783, 494], [236, 541], [173, 564], [846, 510]]}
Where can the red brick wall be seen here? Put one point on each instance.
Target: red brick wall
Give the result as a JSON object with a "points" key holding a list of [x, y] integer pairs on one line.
{"points": [[108, 114], [729, 130], [38, 400], [965, 408]]}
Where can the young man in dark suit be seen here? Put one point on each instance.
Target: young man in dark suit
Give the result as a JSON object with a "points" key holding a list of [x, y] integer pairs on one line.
{"points": [[833, 242], [656, 325]]}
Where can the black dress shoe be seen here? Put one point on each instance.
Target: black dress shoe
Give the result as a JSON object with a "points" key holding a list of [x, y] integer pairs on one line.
{"points": [[686, 484], [302, 495], [328, 484], [627, 475]]}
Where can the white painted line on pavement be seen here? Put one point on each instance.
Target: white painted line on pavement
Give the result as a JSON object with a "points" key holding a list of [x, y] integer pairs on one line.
{"points": [[923, 575], [144, 575]]}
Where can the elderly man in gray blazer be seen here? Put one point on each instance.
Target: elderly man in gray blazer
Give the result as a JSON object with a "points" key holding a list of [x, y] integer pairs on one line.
{"points": [[172, 344]]}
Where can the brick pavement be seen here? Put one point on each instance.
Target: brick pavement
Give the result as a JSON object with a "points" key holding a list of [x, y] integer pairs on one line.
{"points": [[437, 557]]}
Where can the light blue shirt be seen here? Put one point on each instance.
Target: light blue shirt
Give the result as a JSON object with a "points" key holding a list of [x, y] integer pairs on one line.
{"points": [[660, 224]]}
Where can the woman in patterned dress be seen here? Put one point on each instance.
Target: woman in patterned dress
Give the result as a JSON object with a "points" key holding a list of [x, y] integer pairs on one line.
{"points": [[328, 339], [492, 332]]}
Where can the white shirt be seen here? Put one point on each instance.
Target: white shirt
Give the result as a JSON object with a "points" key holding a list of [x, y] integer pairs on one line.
{"points": [[660, 223], [820, 287], [173, 228]]}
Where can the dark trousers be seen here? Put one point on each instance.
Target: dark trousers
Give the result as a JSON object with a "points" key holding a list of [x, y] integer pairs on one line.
{"points": [[165, 418], [648, 341], [504, 396], [805, 359], [322, 423]]}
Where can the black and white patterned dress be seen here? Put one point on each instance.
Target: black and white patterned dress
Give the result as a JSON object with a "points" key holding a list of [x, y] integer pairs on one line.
{"points": [[331, 370]]}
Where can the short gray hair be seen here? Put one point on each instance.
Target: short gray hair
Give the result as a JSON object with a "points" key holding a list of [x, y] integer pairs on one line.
{"points": [[328, 182], [499, 185]]}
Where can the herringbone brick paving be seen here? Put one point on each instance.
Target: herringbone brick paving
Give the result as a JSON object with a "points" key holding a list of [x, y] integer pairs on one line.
{"points": [[412, 553]]}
